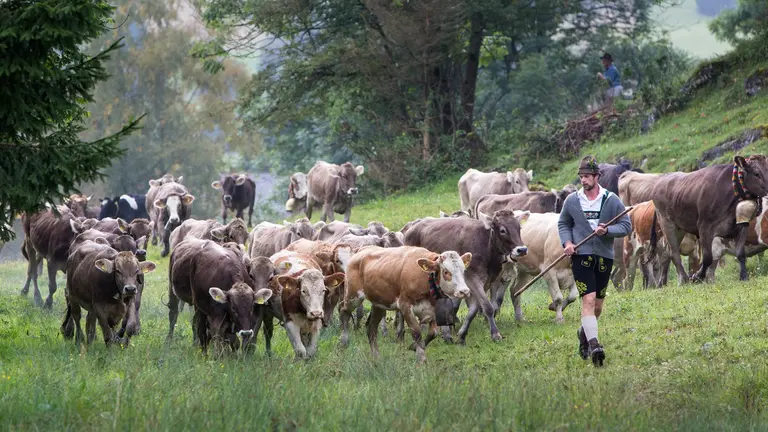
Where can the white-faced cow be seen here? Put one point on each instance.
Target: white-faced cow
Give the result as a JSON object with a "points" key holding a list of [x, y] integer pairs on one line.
{"points": [[127, 207], [238, 192], [407, 279], [172, 206], [331, 187], [492, 240], [149, 201], [297, 193], [474, 184]]}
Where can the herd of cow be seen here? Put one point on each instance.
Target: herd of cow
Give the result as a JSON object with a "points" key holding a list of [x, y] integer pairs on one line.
{"points": [[299, 273]]}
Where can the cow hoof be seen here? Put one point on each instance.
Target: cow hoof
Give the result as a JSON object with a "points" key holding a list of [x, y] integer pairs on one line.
{"points": [[496, 337], [24, 291], [559, 320], [164, 253], [552, 307]]}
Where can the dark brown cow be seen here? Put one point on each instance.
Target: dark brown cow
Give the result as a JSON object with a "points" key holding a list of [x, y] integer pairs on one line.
{"points": [[149, 200], [297, 193], [399, 279], [492, 240], [102, 281], [331, 187], [303, 292], [534, 202], [216, 280], [267, 238], [238, 192], [474, 184], [137, 228], [172, 206], [235, 231], [703, 203], [47, 236]]}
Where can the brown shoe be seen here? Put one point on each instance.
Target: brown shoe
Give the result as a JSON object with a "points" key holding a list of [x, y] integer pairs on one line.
{"points": [[596, 352]]}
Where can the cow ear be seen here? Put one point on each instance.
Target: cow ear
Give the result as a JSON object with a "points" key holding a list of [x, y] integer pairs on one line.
{"points": [[76, 226], [358, 231], [160, 203], [261, 296], [318, 225], [510, 177], [105, 265], [360, 170], [154, 183], [428, 265], [218, 295], [216, 185], [89, 197], [102, 241], [443, 214], [466, 258], [187, 199], [122, 225], [240, 180], [522, 217], [740, 161], [333, 281], [219, 233], [529, 173], [289, 283], [485, 219], [180, 179], [147, 267], [283, 267]]}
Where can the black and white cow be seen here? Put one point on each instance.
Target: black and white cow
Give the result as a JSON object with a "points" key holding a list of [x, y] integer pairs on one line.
{"points": [[127, 207]]}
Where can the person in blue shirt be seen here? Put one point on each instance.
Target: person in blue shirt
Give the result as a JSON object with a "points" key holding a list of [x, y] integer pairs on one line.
{"points": [[611, 74]]}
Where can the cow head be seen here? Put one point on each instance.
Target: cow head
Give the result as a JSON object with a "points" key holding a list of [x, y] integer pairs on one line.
{"points": [[108, 208], [450, 268], [561, 195], [168, 178], [139, 228], [755, 173], [301, 228], [347, 178], [126, 269], [505, 228], [393, 239], [312, 288], [297, 191], [241, 301], [519, 179], [228, 186], [235, 231], [77, 203], [341, 255], [172, 206]]}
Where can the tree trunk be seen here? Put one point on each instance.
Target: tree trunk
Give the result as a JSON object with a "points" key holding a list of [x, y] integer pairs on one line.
{"points": [[470, 75]]}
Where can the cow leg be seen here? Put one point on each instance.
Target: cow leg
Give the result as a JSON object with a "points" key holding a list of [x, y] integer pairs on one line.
{"points": [[32, 273], [415, 326], [155, 228], [223, 214], [166, 243], [383, 326], [52, 269], [314, 336], [345, 314], [26, 250], [173, 312], [557, 297], [630, 258], [400, 327], [109, 334], [294, 336], [348, 213], [269, 329], [250, 215], [520, 282], [373, 329], [310, 206], [68, 325], [432, 333], [327, 212], [741, 254], [358, 317], [201, 329], [76, 312], [90, 327], [705, 241], [671, 233]]}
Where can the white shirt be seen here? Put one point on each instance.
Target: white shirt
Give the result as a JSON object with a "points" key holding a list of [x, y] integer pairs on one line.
{"points": [[592, 209]]}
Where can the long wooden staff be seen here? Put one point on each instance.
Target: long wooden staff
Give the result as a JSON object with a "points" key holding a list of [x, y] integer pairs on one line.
{"points": [[587, 238]]}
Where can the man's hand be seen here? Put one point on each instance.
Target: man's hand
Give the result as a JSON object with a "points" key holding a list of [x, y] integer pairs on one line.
{"points": [[600, 75], [601, 229], [570, 248]]}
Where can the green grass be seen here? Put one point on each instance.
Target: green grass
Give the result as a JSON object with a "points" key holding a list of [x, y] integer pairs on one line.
{"points": [[682, 358]]}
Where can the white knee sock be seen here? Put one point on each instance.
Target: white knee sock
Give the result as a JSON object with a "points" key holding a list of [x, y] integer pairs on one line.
{"points": [[589, 323]]}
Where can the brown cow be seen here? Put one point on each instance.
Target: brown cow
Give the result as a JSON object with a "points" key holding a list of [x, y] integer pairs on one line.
{"points": [[610, 174], [534, 202], [492, 240], [172, 206], [48, 236], [703, 203], [137, 228], [303, 292], [297, 193], [332, 187], [149, 199], [267, 238], [474, 184], [238, 192], [102, 281], [389, 240], [216, 280], [407, 279], [78, 204], [235, 231]]}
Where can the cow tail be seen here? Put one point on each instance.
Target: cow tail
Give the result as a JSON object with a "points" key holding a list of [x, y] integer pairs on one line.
{"points": [[654, 237]]}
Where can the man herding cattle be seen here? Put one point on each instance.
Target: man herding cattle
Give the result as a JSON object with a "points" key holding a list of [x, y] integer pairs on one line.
{"points": [[585, 212]]}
